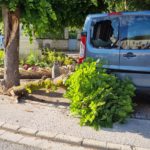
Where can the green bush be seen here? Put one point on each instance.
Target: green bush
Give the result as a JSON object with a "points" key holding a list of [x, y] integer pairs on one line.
{"points": [[32, 59], [59, 57], [1, 58], [98, 98], [47, 59]]}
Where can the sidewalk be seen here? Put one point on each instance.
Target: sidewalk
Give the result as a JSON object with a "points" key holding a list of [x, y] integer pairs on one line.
{"points": [[56, 119]]}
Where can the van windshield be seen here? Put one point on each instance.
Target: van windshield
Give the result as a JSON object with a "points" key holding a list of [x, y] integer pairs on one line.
{"points": [[135, 32]]}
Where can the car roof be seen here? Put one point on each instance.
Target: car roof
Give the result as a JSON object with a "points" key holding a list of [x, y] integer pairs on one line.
{"points": [[120, 13]]}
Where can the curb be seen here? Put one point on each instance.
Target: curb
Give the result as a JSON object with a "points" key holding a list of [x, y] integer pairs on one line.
{"points": [[62, 138]]}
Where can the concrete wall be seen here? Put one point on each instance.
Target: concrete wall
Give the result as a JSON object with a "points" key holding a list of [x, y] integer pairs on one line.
{"points": [[59, 44], [26, 47], [54, 44]]}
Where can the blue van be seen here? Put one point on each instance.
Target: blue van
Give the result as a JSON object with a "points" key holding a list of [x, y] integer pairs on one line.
{"points": [[123, 40]]}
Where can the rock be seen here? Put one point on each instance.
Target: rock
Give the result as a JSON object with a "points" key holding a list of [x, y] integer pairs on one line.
{"points": [[59, 80], [63, 70], [55, 71], [30, 69]]}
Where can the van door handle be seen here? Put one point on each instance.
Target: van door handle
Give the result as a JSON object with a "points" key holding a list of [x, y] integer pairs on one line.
{"points": [[129, 54]]}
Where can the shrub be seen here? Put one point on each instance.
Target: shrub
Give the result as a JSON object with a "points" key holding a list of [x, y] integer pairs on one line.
{"points": [[1, 58], [98, 98], [32, 58], [47, 59], [59, 57]]}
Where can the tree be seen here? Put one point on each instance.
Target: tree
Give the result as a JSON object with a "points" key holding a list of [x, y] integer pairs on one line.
{"points": [[34, 15], [70, 13], [127, 5]]}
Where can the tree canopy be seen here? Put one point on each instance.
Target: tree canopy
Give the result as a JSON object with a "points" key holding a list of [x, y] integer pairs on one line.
{"points": [[39, 16], [34, 14], [127, 5]]}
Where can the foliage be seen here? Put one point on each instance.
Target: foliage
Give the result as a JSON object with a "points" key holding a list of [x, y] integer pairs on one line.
{"points": [[72, 13], [1, 57], [42, 16], [52, 33], [47, 59], [35, 14], [59, 57], [100, 99], [127, 5], [32, 58], [1, 28]]}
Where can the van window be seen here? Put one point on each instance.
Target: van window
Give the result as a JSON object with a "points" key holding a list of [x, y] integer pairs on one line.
{"points": [[135, 32], [104, 33]]}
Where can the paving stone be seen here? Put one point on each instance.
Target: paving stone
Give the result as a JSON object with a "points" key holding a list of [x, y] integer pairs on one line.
{"points": [[47, 135], [68, 139], [10, 127], [126, 147], [27, 131], [30, 141], [139, 148], [35, 142], [1, 123], [111, 146], [94, 143], [45, 144], [2, 131], [62, 107], [51, 105], [10, 136]]}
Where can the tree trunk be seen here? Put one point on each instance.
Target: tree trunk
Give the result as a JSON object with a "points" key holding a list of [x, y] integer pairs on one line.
{"points": [[11, 61]]}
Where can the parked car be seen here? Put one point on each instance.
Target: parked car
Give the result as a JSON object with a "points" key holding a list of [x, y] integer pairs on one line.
{"points": [[123, 41]]}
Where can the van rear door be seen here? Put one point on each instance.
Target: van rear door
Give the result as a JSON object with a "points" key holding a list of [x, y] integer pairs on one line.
{"points": [[102, 40], [135, 49]]}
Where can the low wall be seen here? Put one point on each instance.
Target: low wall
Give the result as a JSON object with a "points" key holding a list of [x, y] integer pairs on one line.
{"points": [[37, 44], [54, 44], [26, 46]]}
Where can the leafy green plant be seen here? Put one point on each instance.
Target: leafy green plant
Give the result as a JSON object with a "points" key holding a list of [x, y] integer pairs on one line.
{"points": [[32, 58], [98, 98], [59, 57], [47, 59], [1, 58]]}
